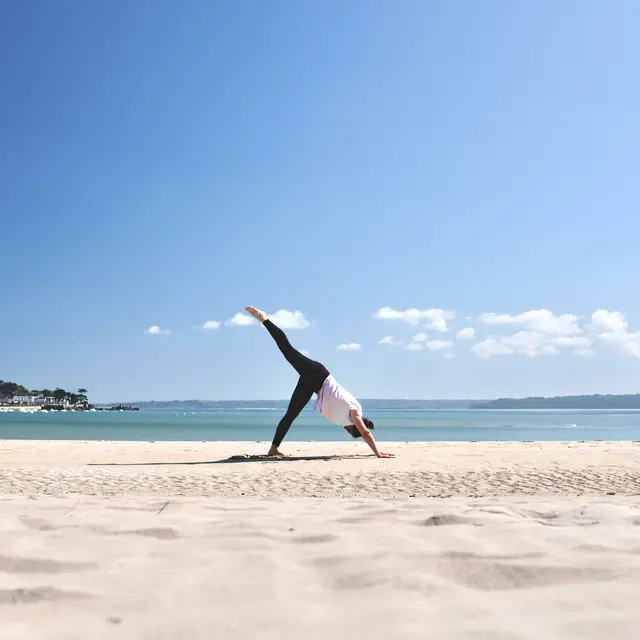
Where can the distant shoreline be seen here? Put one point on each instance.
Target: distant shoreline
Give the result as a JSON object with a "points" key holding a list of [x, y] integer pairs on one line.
{"points": [[594, 401], [27, 408]]}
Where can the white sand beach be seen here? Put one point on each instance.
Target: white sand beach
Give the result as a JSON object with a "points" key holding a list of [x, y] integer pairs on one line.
{"points": [[319, 469], [475, 541]]}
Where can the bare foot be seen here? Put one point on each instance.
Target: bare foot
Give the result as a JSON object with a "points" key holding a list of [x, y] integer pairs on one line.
{"points": [[274, 453], [260, 316]]}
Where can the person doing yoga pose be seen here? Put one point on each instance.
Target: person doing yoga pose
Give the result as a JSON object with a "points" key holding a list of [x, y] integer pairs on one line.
{"points": [[333, 401]]}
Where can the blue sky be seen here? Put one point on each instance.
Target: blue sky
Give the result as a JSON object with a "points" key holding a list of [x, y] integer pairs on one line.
{"points": [[165, 163]]}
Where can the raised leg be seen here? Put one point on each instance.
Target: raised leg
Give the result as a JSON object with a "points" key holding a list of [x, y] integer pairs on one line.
{"points": [[313, 372], [300, 362]]}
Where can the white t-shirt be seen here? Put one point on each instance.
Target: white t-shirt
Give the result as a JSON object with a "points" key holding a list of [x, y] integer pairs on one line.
{"points": [[334, 403]]}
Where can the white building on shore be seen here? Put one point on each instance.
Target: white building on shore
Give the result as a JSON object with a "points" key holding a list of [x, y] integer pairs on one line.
{"points": [[28, 399], [32, 400]]}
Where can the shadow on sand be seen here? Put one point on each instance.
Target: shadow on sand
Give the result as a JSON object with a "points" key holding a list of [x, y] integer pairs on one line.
{"points": [[231, 460]]}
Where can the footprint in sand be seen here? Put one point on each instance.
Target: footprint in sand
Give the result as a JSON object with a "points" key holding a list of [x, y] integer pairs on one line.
{"points": [[10, 564], [468, 555], [159, 533], [32, 595], [37, 524], [486, 575], [315, 539], [446, 519]]}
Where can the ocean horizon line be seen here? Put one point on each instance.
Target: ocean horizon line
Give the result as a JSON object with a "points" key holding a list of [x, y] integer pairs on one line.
{"points": [[457, 401], [133, 402]]}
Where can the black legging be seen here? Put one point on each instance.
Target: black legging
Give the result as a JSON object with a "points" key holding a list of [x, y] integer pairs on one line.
{"points": [[312, 376]]}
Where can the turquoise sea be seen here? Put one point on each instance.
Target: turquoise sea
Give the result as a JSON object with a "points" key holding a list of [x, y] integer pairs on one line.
{"points": [[393, 423]]}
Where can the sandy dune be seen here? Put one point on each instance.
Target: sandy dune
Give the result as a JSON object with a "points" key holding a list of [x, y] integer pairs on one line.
{"points": [[117, 552]]}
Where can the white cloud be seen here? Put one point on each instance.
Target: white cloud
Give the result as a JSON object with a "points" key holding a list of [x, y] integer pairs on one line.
{"points": [[241, 320], [532, 344], [541, 320], [390, 340], [613, 325], [466, 334], [284, 319], [490, 347], [539, 332], [349, 346], [155, 330], [421, 341], [289, 319], [435, 318], [628, 342], [439, 345], [529, 343], [609, 321], [304, 352], [543, 332], [584, 353], [211, 324], [572, 341]]}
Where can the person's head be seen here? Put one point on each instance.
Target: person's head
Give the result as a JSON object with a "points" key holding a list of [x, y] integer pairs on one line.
{"points": [[352, 430]]}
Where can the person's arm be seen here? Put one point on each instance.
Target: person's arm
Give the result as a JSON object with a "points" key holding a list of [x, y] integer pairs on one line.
{"points": [[366, 434]]}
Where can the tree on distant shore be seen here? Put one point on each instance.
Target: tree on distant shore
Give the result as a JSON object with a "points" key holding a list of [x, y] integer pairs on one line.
{"points": [[11, 388], [59, 394]]}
